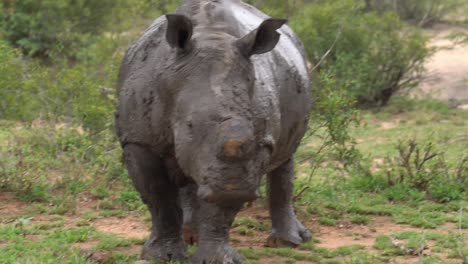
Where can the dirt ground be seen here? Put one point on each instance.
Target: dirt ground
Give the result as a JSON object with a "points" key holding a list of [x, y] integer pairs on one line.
{"points": [[447, 70], [329, 237]]}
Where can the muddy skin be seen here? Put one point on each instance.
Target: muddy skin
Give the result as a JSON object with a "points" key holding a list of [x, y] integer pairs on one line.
{"points": [[211, 98], [190, 207], [160, 195], [287, 231]]}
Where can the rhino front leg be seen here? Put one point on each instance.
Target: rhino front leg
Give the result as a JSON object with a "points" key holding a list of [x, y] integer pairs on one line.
{"points": [[213, 244], [151, 179], [287, 230], [190, 207]]}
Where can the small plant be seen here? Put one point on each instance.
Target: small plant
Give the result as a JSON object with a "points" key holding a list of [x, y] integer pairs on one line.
{"points": [[409, 165], [385, 244], [333, 117], [130, 200], [360, 219], [327, 221], [423, 168], [100, 193]]}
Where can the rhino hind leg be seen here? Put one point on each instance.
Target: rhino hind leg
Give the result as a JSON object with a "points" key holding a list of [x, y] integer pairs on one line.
{"points": [[213, 244], [190, 207], [287, 230], [151, 180]]}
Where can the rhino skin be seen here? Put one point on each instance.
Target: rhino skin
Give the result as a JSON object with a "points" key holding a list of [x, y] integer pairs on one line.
{"points": [[211, 98]]}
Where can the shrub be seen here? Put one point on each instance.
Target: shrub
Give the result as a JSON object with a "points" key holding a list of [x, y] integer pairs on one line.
{"points": [[42, 27], [62, 28], [374, 55], [78, 93], [333, 115], [11, 73], [421, 12], [75, 93], [421, 167]]}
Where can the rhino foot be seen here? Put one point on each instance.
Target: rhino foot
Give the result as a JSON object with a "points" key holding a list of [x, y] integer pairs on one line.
{"points": [[289, 236], [216, 253], [190, 235], [167, 250]]}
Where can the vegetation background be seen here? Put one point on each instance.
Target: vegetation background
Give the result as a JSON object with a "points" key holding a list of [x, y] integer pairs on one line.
{"points": [[382, 177]]}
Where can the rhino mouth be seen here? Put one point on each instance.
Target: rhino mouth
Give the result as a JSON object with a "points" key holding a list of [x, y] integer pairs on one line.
{"points": [[227, 195]]}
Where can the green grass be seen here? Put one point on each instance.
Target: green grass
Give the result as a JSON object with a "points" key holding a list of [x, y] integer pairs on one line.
{"points": [[52, 171], [445, 127], [50, 242], [249, 223]]}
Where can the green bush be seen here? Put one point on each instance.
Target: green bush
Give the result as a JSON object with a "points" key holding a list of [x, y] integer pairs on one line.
{"points": [[41, 28], [373, 55], [11, 74], [421, 12], [79, 93], [333, 116], [64, 28]]}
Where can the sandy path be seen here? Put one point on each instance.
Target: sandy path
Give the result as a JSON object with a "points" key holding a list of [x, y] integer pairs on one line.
{"points": [[447, 70]]}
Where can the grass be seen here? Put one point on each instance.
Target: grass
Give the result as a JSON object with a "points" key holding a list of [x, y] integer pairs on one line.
{"points": [[64, 180], [34, 244], [445, 127]]}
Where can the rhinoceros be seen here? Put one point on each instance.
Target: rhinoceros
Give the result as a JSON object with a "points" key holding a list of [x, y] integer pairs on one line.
{"points": [[212, 97]]}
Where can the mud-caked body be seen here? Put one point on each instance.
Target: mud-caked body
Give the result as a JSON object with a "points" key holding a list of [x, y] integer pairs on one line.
{"points": [[211, 98]]}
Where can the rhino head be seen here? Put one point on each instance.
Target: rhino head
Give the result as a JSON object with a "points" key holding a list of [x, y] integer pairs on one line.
{"points": [[217, 140]]}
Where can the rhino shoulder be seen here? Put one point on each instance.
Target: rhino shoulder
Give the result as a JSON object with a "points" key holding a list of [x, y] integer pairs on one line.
{"points": [[139, 51]]}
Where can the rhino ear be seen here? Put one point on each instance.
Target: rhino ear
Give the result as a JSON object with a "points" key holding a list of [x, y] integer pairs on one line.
{"points": [[263, 39], [179, 31]]}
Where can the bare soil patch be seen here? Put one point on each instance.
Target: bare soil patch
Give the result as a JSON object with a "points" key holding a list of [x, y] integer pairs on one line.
{"points": [[333, 237], [9, 205], [126, 227], [258, 214], [388, 125], [447, 69]]}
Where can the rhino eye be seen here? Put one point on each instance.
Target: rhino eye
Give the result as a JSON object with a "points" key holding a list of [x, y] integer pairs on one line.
{"points": [[189, 124]]}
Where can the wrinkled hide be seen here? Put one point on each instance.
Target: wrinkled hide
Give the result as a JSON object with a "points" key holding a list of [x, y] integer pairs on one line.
{"points": [[212, 96]]}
